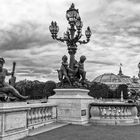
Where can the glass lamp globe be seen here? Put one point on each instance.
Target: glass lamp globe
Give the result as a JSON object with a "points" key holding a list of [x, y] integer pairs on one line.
{"points": [[72, 14]]}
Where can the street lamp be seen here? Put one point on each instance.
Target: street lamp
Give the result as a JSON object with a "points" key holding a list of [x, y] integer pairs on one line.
{"points": [[54, 29], [72, 14], [139, 70], [73, 34]]}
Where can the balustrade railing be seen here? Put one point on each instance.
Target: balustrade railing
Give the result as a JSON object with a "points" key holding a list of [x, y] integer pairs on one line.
{"points": [[113, 111], [41, 114]]}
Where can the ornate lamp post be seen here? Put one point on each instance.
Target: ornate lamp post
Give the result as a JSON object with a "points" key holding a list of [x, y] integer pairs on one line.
{"points": [[73, 34]]}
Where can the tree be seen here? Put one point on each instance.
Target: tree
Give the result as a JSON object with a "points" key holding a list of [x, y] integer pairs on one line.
{"points": [[122, 88], [36, 89], [49, 88], [98, 90]]}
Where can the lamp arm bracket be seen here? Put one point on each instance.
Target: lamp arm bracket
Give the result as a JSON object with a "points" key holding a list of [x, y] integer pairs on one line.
{"points": [[83, 41], [60, 39], [77, 37]]}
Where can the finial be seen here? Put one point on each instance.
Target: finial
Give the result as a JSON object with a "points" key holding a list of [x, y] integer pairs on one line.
{"points": [[72, 6], [120, 71]]}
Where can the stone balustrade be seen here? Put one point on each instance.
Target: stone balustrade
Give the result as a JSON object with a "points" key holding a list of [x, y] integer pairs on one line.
{"points": [[113, 113], [18, 118], [41, 114]]}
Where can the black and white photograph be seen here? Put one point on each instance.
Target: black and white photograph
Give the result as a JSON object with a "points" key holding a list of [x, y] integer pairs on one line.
{"points": [[69, 69]]}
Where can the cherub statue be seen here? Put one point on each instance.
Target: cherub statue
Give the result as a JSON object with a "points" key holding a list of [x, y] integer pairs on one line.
{"points": [[81, 71], [63, 72], [5, 88]]}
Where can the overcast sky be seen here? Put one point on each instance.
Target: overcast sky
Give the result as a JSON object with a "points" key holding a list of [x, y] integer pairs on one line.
{"points": [[25, 37]]}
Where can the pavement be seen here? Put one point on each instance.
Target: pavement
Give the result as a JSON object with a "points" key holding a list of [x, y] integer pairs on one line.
{"points": [[88, 132]]}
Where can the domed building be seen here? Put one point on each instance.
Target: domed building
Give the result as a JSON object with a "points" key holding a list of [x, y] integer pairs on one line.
{"points": [[110, 79], [113, 80]]}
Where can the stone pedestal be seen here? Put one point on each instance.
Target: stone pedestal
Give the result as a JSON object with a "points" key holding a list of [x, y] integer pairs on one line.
{"points": [[13, 120], [72, 105]]}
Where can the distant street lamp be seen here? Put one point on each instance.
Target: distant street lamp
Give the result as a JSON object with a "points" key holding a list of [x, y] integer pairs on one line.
{"points": [[139, 70], [73, 34]]}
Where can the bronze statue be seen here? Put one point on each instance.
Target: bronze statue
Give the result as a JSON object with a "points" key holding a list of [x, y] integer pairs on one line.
{"points": [[12, 80], [5, 89], [73, 76], [81, 70], [63, 72]]}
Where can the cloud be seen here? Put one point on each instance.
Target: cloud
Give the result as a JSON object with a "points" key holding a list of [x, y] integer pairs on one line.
{"points": [[25, 37], [102, 63]]}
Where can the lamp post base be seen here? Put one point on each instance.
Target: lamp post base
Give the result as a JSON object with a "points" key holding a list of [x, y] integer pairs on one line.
{"points": [[72, 105]]}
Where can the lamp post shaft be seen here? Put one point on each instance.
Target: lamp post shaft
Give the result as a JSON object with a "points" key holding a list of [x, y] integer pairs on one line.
{"points": [[72, 59], [72, 48], [72, 51]]}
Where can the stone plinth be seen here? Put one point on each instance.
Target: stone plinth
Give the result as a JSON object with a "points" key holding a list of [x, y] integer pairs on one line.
{"points": [[72, 105], [13, 120]]}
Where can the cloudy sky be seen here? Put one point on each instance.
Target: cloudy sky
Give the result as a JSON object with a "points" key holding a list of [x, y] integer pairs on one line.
{"points": [[25, 37]]}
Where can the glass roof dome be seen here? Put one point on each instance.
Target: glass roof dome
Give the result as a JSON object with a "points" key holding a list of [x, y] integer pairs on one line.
{"points": [[108, 78]]}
